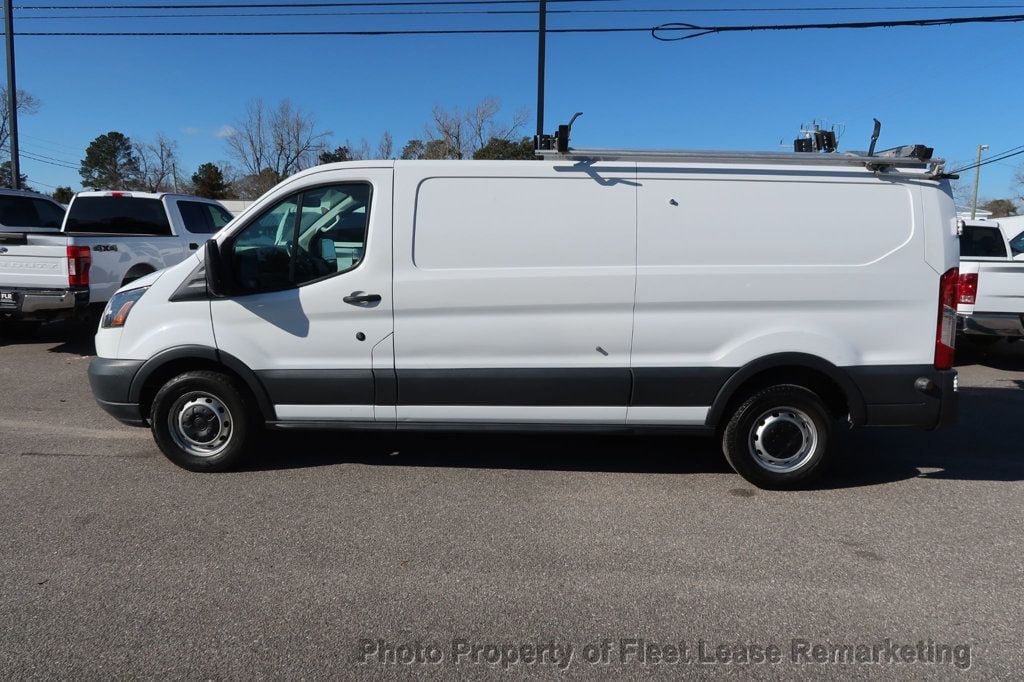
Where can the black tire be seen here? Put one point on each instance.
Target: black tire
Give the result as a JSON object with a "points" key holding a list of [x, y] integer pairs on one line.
{"points": [[202, 421], [779, 437]]}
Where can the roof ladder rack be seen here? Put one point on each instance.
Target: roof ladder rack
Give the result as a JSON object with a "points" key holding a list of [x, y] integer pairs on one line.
{"points": [[556, 147]]}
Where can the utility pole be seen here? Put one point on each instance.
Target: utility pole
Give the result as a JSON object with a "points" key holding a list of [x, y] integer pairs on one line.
{"points": [[542, 29], [12, 97], [977, 177]]}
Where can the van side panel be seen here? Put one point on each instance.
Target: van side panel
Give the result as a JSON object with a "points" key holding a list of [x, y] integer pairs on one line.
{"points": [[735, 266], [513, 289]]}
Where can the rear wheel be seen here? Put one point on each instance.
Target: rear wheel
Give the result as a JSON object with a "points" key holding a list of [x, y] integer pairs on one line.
{"points": [[779, 437], [202, 421]]}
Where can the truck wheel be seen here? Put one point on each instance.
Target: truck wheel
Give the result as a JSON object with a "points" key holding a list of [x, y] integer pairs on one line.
{"points": [[202, 421], [779, 437]]}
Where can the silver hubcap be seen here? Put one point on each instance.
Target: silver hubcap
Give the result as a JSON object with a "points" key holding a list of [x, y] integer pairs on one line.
{"points": [[783, 439], [200, 424]]}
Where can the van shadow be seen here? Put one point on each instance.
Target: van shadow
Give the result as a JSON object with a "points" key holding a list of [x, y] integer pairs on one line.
{"points": [[983, 446], [543, 452]]}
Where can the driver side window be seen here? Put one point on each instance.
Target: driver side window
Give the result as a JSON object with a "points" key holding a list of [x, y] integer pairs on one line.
{"points": [[308, 236]]}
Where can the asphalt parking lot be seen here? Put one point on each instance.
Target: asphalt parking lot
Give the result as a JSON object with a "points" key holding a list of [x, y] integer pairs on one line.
{"points": [[331, 548]]}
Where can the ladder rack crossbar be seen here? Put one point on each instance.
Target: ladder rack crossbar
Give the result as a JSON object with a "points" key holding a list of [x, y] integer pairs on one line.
{"points": [[772, 158]]}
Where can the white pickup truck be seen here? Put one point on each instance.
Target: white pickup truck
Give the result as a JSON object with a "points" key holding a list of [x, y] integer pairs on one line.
{"points": [[991, 299], [107, 240]]}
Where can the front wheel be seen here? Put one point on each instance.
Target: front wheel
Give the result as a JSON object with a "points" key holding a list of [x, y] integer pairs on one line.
{"points": [[779, 437], [202, 421]]}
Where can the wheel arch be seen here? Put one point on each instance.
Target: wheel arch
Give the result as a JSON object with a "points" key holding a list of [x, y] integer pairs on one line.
{"points": [[832, 383], [173, 361], [136, 271]]}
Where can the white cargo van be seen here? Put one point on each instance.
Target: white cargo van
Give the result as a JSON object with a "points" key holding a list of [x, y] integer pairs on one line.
{"points": [[760, 298]]}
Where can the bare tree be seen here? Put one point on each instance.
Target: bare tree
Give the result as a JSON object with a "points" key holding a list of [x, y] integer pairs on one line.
{"points": [[157, 164], [386, 146], [249, 141], [961, 187], [275, 143], [1018, 182], [461, 135], [25, 103], [450, 129], [484, 126], [358, 152]]}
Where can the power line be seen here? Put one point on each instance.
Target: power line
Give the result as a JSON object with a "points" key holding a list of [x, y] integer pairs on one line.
{"points": [[695, 30], [22, 149], [297, 5], [44, 184], [402, 32], [54, 147], [33, 157], [51, 158], [1015, 151], [531, 12]]}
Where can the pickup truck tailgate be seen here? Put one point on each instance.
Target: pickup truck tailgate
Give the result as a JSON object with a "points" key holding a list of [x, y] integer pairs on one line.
{"points": [[1000, 287], [33, 263]]}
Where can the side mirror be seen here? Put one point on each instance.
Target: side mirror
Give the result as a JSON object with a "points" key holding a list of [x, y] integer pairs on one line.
{"points": [[214, 262]]}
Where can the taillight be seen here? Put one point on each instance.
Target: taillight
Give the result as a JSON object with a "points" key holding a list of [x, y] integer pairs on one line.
{"points": [[968, 288], [945, 332], [79, 260]]}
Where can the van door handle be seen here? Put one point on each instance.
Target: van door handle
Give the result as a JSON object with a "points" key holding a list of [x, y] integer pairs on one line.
{"points": [[357, 297], [193, 246]]}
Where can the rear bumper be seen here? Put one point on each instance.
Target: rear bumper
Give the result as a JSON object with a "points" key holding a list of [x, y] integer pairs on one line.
{"points": [[912, 395], [111, 382], [992, 324], [45, 304]]}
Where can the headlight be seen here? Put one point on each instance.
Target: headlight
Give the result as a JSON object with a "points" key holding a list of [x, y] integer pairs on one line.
{"points": [[120, 305]]}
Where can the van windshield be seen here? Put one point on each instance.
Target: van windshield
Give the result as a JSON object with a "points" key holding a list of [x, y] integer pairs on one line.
{"points": [[117, 215]]}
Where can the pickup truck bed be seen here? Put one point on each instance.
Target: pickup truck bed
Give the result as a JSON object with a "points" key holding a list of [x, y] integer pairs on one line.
{"points": [[34, 278], [107, 240], [991, 282]]}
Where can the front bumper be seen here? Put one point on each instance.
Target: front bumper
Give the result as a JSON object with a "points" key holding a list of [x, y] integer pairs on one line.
{"points": [[992, 324], [912, 395], [45, 304], [111, 382]]}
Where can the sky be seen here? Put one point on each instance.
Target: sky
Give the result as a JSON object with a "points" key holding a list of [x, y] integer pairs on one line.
{"points": [[952, 88]]}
